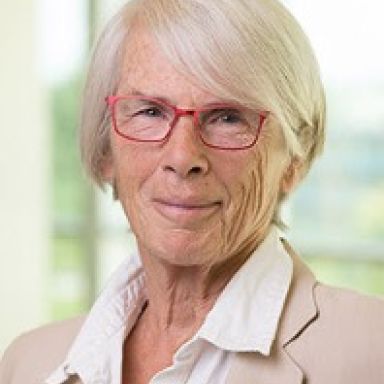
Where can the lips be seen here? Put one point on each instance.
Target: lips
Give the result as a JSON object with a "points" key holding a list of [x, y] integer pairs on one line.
{"points": [[186, 210], [186, 204]]}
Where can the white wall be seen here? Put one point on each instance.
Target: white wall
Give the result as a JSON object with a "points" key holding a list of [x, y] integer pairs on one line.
{"points": [[24, 170]]}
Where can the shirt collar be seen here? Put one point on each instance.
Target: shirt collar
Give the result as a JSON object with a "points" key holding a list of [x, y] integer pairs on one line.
{"points": [[97, 350], [246, 315], [244, 318]]}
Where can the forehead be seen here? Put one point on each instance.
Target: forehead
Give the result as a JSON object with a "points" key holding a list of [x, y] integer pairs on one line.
{"points": [[147, 69]]}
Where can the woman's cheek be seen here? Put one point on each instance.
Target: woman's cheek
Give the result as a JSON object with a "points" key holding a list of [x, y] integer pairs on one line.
{"points": [[252, 205]]}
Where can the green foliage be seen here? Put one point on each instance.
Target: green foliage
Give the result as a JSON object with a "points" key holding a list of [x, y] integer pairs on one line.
{"points": [[69, 293], [68, 179], [70, 194], [358, 275]]}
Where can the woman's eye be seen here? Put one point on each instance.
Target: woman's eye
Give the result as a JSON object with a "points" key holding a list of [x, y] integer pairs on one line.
{"points": [[230, 118], [224, 117], [150, 112]]}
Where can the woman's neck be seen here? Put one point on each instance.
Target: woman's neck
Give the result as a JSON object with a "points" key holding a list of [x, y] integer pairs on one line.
{"points": [[180, 297]]}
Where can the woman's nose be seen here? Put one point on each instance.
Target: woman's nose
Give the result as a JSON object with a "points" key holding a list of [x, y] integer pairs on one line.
{"points": [[184, 152]]}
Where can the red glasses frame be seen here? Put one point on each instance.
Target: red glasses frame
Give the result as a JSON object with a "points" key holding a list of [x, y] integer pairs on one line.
{"points": [[179, 112]]}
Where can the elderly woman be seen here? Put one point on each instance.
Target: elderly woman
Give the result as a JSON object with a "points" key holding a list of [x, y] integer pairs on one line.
{"points": [[203, 116]]}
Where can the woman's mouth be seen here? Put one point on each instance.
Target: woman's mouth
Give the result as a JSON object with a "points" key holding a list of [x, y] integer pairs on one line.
{"points": [[186, 211]]}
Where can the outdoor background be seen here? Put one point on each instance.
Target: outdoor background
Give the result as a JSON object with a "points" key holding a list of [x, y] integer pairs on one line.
{"points": [[60, 239]]}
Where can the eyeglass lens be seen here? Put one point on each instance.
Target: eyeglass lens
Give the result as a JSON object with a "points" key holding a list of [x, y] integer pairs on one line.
{"points": [[222, 126]]}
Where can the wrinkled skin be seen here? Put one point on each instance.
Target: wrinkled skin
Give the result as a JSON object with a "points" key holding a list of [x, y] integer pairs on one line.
{"points": [[238, 189]]}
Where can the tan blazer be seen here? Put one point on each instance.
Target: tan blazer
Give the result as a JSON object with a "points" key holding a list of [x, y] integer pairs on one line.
{"points": [[326, 336]]}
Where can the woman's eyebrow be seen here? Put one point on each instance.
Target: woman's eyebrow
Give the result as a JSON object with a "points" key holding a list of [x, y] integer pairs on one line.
{"points": [[133, 91]]}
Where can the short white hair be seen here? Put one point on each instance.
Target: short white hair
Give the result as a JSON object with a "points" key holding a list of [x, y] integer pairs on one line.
{"points": [[250, 51]]}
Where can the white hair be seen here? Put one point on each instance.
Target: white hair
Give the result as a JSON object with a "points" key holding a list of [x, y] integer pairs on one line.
{"points": [[250, 51]]}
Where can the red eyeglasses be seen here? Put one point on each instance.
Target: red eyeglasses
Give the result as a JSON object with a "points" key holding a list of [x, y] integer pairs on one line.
{"points": [[220, 126]]}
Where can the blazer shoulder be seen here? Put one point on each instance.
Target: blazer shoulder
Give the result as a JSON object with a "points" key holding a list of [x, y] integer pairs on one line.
{"points": [[33, 355], [355, 319], [344, 342], [344, 303]]}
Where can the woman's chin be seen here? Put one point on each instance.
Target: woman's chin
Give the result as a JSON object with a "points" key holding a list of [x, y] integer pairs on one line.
{"points": [[183, 248]]}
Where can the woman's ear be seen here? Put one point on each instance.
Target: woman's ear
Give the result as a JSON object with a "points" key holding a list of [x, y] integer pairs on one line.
{"points": [[292, 176], [107, 172]]}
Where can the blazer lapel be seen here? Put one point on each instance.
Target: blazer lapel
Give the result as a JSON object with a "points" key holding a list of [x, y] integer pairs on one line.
{"points": [[299, 312]]}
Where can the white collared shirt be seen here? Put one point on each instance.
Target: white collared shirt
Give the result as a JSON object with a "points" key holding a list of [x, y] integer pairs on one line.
{"points": [[243, 319]]}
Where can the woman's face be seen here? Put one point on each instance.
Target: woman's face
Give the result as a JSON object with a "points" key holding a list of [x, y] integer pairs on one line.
{"points": [[188, 204]]}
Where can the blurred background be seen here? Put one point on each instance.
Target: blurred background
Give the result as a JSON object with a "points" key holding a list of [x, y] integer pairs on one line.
{"points": [[60, 238]]}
